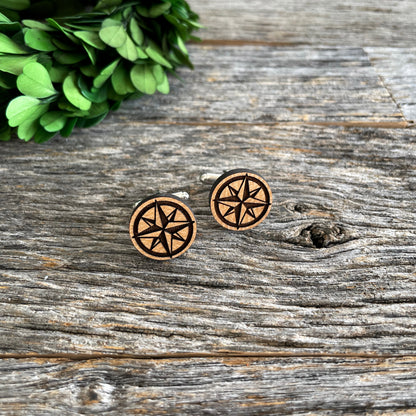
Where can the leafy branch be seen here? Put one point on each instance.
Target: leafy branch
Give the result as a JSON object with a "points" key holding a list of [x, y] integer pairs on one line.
{"points": [[68, 64]]}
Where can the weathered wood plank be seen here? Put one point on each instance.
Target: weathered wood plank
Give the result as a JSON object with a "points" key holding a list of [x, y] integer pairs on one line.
{"points": [[331, 270], [227, 386], [261, 84], [397, 69], [339, 22]]}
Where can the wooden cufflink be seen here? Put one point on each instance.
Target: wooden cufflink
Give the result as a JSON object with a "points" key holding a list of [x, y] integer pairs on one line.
{"points": [[162, 226], [240, 199]]}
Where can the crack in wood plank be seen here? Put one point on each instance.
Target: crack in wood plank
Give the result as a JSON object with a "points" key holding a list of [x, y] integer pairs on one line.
{"points": [[202, 355]]}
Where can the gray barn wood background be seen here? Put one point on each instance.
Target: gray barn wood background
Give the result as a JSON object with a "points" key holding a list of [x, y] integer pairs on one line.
{"points": [[312, 312]]}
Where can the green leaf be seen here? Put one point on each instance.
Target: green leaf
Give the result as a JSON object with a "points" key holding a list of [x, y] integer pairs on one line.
{"points": [[53, 121], [156, 55], [7, 81], [54, 24], [73, 93], [181, 45], [64, 104], [143, 11], [159, 73], [98, 109], [15, 4], [136, 33], [90, 38], [39, 40], [89, 71], [35, 81], [95, 95], [5, 133], [163, 87], [15, 64], [4, 18], [113, 33], [23, 109], [91, 53], [105, 4], [28, 129], [43, 136], [58, 73], [159, 9], [69, 126], [113, 96], [12, 15], [35, 24], [9, 46], [10, 28], [180, 11], [64, 45], [180, 58], [143, 79], [121, 81], [128, 50], [141, 53], [68, 58], [45, 60], [90, 122], [105, 74], [116, 106]]}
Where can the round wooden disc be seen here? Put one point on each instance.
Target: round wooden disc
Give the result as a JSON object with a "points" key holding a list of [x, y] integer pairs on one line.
{"points": [[240, 199], [162, 227]]}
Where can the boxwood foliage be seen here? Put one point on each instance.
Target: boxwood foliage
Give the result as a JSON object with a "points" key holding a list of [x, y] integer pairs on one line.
{"points": [[66, 64]]}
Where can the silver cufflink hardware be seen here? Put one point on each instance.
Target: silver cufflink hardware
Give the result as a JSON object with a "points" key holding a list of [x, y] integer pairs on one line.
{"points": [[181, 195]]}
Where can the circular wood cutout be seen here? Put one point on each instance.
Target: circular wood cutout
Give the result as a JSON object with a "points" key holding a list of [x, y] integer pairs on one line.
{"points": [[162, 227], [240, 199]]}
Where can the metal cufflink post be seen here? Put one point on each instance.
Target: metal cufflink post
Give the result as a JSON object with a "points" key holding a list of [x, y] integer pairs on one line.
{"points": [[181, 195]]}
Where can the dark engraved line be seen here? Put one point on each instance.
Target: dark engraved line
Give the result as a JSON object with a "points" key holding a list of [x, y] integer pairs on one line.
{"points": [[165, 244], [233, 198], [246, 193], [256, 204], [237, 214], [177, 237], [177, 228], [162, 215], [233, 191], [229, 211], [254, 192], [149, 230], [148, 221], [227, 205], [172, 215], [155, 243]]}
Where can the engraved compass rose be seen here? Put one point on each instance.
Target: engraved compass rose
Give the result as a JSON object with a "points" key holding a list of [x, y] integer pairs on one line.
{"points": [[240, 200], [162, 227]]}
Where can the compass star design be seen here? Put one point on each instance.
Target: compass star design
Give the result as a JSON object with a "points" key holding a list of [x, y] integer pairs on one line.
{"points": [[163, 229], [242, 202]]}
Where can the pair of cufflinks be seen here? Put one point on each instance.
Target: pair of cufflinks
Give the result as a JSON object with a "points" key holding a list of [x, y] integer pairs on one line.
{"points": [[163, 226]]}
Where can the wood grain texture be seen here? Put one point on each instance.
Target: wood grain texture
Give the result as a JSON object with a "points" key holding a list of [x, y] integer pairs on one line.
{"points": [[225, 386], [319, 22], [312, 312], [332, 269], [397, 70], [264, 84]]}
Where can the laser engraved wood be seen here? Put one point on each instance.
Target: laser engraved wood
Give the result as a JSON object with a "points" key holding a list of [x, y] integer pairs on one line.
{"points": [[240, 200], [162, 227]]}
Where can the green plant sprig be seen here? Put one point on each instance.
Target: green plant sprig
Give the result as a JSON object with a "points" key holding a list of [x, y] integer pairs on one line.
{"points": [[68, 66]]}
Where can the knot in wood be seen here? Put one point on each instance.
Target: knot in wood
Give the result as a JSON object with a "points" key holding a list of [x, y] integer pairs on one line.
{"points": [[322, 235]]}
